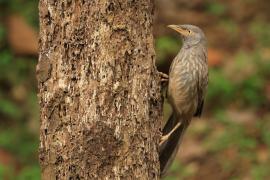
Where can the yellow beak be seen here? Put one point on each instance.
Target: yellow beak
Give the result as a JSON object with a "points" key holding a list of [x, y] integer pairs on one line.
{"points": [[179, 29]]}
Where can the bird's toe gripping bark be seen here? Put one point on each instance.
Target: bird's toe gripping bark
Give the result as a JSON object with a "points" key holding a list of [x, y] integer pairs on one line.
{"points": [[163, 77]]}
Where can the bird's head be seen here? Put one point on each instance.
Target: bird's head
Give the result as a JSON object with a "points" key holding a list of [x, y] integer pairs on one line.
{"points": [[190, 34]]}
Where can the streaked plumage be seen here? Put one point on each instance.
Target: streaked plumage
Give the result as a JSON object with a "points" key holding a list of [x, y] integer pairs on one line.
{"points": [[188, 79]]}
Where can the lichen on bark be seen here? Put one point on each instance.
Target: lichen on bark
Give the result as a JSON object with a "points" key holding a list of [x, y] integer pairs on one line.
{"points": [[99, 92]]}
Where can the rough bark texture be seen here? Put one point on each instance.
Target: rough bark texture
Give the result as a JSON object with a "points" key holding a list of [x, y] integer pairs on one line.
{"points": [[99, 91]]}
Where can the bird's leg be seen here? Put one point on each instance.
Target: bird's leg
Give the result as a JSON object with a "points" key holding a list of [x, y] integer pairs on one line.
{"points": [[164, 77], [166, 137]]}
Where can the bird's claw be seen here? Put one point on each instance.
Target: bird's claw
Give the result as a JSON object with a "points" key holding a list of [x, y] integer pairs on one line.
{"points": [[163, 77]]}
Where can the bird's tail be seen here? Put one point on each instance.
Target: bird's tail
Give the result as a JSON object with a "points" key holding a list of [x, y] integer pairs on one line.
{"points": [[168, 150]]}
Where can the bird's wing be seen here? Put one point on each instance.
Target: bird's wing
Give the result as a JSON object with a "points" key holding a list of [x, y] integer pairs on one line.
{"points": [[201, 95], [199, 110], [170, 124], [201, 88]]}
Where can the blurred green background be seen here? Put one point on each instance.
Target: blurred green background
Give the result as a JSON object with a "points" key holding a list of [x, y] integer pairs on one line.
{"points": [[230, 141]]}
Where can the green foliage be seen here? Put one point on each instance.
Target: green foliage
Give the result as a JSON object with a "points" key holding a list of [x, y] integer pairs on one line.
{"points": [[260, 172], [252, 85], [10, 109], [15, 113], [166, 46], [260, 31], [15, 70], [248, 85], [6, 58], [29, 9], [266, 136], [6, 137], [28, 143], [29, 173], [221, 117], [231, 28], [6, 172], [252, 90], [237, 137], [220, 88], [177, 170], [2, 34], [216, 8], [264, 126]]}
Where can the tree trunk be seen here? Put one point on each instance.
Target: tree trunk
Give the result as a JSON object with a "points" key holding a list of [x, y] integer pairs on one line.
{"points": [[99, 92]]}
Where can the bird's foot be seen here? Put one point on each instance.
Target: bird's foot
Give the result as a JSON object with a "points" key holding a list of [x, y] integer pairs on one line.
{"points": [[164, 77], [166, 137]]}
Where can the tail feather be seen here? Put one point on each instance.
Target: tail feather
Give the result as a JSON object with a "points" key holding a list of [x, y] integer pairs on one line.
{"points": [[168, 150], [170, 124]]}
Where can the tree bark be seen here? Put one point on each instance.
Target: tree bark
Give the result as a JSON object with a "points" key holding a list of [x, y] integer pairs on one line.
{"points": [[99, 92]]}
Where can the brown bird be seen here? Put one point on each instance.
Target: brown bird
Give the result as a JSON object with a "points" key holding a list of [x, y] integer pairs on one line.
{"points": [[188, 79]]}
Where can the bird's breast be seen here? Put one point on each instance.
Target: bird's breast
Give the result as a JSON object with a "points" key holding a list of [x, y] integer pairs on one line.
{"points": [[182, 89]]}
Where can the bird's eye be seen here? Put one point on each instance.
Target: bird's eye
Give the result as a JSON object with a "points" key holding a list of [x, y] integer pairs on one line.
{"points": [[189, 31]]}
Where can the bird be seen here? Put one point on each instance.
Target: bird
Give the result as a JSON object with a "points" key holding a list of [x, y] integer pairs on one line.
{"points": [[186, 90]]}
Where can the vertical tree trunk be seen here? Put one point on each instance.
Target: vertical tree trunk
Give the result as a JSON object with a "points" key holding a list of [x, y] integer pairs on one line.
{"points": [[98, 89]]}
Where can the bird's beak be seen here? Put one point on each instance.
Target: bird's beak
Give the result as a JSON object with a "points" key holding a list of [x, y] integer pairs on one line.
{"points": [[179, 29]]}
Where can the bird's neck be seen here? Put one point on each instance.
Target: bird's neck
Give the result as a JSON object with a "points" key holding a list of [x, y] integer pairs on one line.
{"points": [[194, 44], [200, 49]]}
